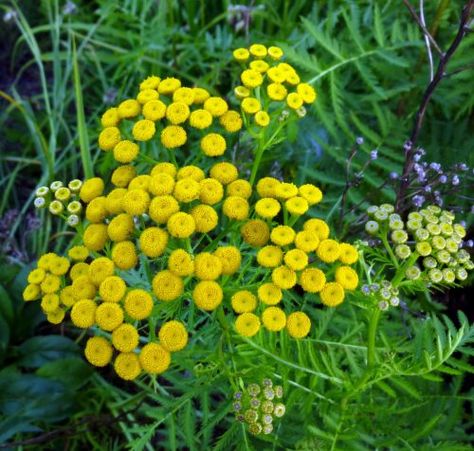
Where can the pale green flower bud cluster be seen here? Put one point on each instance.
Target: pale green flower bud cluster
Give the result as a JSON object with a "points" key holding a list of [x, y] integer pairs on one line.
{"points": [[259, 405], [380, 216], [432, 234], [383, 293], [437, 240], [61, 200]]}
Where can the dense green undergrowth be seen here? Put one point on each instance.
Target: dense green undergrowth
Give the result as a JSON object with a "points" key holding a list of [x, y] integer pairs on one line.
{"points": [[368, 62]]}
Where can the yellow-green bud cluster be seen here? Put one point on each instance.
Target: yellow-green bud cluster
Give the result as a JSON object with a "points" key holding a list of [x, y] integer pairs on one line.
{"points": [[384, 294], [431, 234], [61, 200], [258, 406]]}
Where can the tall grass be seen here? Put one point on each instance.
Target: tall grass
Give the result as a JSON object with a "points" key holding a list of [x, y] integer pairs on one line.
{"points": [[367, 61]]}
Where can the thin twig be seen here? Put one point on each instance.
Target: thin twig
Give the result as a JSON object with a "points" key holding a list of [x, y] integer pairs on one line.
{"points": [[458, 71], [427, 42], [348, 184], [410, 146], [423, 27]]}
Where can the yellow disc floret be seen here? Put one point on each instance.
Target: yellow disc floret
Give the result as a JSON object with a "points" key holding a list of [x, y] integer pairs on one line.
{"points": [[162, 208], [173, 136], [298, 325], [207, 295], [243, 301], [274, 319], [167, 286], [108, 316], [153, 241], [95, 237], [267, 207], [125, 338], [211, 191], [127, 366], [270, 256], [154, 358], [332, 294], [181, 225], [230, 258], [349, 254], [99, 269], [247, 324], [269, 294], [83, 313], [282, 235], [347, 277], [236, 208], [318, 227], [312, 280], [284, 277], [205, 217], [173, 336], [124, 255], [91, 189], [213, 145], [207, 266], [328, 251], [255, 232], [98, 351], [138, 304], [181, 263], [112, 289], [296, 259]]}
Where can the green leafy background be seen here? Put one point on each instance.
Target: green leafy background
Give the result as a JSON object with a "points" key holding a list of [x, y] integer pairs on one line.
{"points": [[367, 59]]}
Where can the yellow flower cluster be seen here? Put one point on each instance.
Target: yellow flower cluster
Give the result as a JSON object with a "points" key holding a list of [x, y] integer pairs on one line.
{"points": [[171, 205], [305, 256], [45, 282], [171, 217], [172, 113], [168, 234], [96, 298], [270, 86]]}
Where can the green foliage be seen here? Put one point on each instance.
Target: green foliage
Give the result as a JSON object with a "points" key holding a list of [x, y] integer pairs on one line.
{"points": [[368, 62], [369, 65]]}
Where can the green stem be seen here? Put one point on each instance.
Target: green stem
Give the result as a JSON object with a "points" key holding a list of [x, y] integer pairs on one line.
{"points": [[256, 164], [221, 317], [261, 149], [172, 157], [372, 332], [383, 237], [400, 274], [147, 159]]}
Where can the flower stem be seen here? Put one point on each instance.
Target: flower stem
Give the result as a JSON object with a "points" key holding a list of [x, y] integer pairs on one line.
{"points": [[372, 332], [262, 146], [256, 164], [388, 248]]}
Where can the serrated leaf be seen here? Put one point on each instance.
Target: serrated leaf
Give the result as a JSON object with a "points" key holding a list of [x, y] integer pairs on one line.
{"points": [[461, 365], [406, 386], [446, 369]]}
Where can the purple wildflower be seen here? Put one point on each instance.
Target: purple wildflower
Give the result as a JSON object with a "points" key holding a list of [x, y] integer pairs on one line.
{"points": [[418, 200], [435, 166]]}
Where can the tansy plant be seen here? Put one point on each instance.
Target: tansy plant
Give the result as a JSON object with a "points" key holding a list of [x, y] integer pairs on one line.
{"points": [[178, 238], [422, 252]]}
